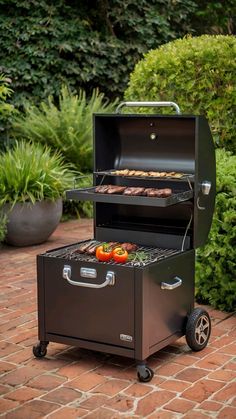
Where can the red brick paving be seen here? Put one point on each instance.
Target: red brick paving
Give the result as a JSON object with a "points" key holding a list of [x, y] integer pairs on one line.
{"points": [[71, 383]]}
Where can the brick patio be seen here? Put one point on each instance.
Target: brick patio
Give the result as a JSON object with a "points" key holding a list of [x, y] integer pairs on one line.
{"points": [[74, 383]]}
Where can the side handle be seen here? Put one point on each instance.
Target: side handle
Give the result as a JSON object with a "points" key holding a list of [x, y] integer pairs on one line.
{"points": [[176, 284]]}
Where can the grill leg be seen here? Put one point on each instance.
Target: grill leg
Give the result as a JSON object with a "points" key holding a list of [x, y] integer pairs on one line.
{"points": [[144, 373], [40, 350]]}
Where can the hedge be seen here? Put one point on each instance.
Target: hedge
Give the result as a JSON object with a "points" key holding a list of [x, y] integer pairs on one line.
{"points": [[199, 74], [85, 44], [216, 262]]}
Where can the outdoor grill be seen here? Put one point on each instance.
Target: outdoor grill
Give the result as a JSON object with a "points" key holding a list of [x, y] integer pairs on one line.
{"points": [[135, 308]]}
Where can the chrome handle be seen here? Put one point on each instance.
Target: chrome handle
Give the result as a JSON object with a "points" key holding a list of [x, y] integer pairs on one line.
{"points": [[206, 187], [177, 283], [66, 274], [148, 104]]}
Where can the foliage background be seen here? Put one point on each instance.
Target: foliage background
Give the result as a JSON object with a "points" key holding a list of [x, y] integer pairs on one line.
{"points": [[199, 74], [65, 126], [216, 262], [91, 43], [7, 111]]}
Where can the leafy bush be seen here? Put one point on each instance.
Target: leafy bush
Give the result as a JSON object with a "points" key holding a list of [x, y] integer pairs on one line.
{"points": [[29, 173], [216, 262], [198, 74], [7, 111], [214, 17], [3, 226], [86, 44], [66, 127]]}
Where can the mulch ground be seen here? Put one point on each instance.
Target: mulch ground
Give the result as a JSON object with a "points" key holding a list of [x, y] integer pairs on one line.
{"points": [[73, 383]]}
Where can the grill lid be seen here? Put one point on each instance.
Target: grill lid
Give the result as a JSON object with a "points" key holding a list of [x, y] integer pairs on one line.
{"points": [[170, 143]]}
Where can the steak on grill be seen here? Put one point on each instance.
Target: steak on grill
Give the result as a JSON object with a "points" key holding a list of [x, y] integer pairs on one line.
{"points": [[133, 191], [115, 189], [159, 193], [102, 188]]}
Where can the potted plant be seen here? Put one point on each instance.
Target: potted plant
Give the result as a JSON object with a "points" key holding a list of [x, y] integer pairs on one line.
{"points": [[32, 183], [3, 227]]}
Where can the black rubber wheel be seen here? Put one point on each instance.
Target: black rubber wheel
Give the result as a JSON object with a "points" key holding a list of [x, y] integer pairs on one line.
{"points": [[198, 329], [147, 377], [39, 350]]}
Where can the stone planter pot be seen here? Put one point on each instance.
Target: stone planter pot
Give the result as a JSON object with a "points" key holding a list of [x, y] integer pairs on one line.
{"points": [[30, 224]]}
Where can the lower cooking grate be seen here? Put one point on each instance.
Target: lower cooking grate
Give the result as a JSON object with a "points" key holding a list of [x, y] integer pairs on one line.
{"points": [[147, 255]]}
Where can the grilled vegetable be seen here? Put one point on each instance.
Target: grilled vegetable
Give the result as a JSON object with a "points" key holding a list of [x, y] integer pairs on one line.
{"points": [[139, 256], [104, 253], [120, 255]]}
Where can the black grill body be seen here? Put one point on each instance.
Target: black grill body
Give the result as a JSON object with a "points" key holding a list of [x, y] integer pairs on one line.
{"points": [[134, 317], [146, 306]]}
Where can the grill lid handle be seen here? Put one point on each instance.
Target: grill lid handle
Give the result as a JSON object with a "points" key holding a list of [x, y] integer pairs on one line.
{"points": [[148, 104]]}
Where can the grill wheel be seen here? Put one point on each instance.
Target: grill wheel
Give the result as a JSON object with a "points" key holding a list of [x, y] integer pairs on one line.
{"points": [[144, 373], [40, 350], [198, 329]]}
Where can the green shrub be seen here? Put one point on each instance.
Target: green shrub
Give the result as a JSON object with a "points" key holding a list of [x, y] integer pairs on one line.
{"points": [[66, 127], [29, 173], [87, 44], [3, 226], [216, 262], [214, 17], [7, 111], [199, 74]]}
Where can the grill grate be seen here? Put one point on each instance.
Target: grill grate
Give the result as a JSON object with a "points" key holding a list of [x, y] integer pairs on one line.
{"points": [[152, 254], [181, 176]]}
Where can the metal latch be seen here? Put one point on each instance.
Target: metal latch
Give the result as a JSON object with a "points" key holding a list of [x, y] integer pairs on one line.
{"points": [[88, 273]]}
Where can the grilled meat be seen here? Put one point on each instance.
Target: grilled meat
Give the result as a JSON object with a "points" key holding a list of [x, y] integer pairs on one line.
{"points": [[166, 192], [129, 247], [92, 249], [102, 188], [123, 172], [109, 189], [158, 193], [133, 191], [142, 173], [147, 191], [84, 247], [114, 189]]}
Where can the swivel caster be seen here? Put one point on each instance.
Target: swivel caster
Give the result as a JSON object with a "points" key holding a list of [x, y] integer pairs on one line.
{"points": [[144, 373], [198, 329], [40, 350]]}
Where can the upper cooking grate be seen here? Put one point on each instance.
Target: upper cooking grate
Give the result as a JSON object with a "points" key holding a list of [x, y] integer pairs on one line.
{"points": [[162, 175], [149, 255]]}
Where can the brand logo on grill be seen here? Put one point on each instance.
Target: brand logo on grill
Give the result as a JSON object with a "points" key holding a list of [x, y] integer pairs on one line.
{"points": [[127, 338]]}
